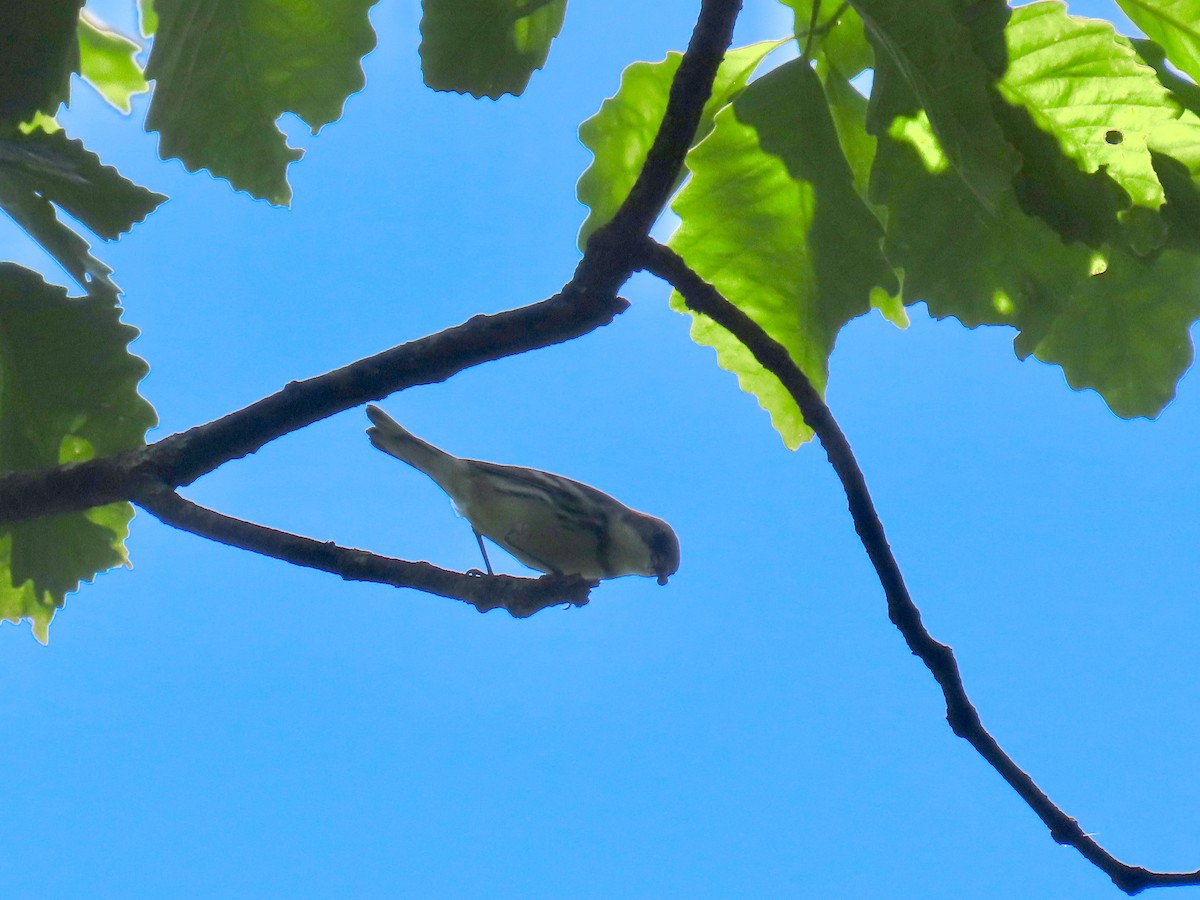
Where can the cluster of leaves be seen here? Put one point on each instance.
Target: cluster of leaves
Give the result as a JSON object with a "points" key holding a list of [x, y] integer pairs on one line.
{"points": [[1019, 167], [68, 383], [1005, 166]]}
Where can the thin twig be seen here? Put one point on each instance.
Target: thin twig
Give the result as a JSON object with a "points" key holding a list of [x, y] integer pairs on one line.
{"points": [[519, 596], [703, 298]]}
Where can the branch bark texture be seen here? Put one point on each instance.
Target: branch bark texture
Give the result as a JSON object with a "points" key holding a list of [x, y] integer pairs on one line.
{"points": [[519, 596]]}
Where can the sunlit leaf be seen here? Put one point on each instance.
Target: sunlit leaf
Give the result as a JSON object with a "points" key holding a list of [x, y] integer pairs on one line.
{"points": [[1175, 152], [147, 18], [838, 39], [1182, 90], [771, 218], [1087, 87], [950, 70], [621, 133], [848, 108], [1172, 24], [1114, 321], [108, 62], [40, 122]]}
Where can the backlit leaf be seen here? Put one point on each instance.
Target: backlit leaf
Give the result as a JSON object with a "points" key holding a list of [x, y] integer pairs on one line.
{"points": [[108, 62], [1087, 87], [621, 133], [1172, 24], [771, 218], [1114, 321], [950, 70]]}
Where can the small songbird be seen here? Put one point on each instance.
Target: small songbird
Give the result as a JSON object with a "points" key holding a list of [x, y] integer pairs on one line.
{"points": [[548, 522]]}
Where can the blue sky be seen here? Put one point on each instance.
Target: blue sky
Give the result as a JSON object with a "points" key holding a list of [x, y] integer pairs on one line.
{"points": [[217, 724]]}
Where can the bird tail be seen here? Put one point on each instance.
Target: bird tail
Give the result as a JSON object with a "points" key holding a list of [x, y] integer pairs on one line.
{"points": [[387, 435]]}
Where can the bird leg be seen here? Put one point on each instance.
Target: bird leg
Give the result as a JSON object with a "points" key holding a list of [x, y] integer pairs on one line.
{"points": [[482, 549]]}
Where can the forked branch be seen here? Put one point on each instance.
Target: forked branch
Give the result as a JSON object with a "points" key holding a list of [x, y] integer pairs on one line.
{"points": [[586, 302]]}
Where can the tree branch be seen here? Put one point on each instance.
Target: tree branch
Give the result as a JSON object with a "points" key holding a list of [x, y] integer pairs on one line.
{"points": [[703, 298], [182, 458], [588, 301], [690, 89], [520, 596]]}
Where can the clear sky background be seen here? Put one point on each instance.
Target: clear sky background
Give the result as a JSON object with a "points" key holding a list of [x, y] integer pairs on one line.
{"points": [[217, 724]]}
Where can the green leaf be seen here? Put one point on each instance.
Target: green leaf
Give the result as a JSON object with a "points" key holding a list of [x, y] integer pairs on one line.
{"points": [[1175, 153], [771, 218], [838, 40], [950, 69], [842, 52], [620, 134], [486, 48], [226, 71], [1125, 331], [68, 391], [846, 48], [147, 18], [1183, 91], [38, 54], [1115, 322], [1172, 24], [1176, 156], [1081, 206], [108, 62], [1085, 85], [40, 122], [39, 171], [848, 110]]}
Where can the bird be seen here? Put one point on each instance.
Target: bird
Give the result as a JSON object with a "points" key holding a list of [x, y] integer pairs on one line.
{"points": [[550, 523]]}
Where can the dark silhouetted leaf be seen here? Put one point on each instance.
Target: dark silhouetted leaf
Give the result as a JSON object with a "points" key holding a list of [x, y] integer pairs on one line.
{"points": [[69, 393]]}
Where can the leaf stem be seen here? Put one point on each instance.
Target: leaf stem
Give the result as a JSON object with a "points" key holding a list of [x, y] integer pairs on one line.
{"points": [[814, 14]]}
